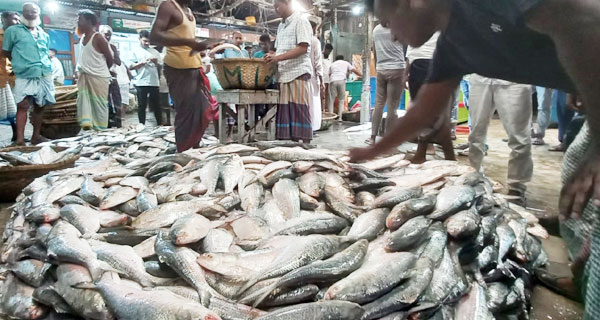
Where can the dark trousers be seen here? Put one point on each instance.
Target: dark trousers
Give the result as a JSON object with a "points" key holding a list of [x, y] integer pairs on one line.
{"points": [[143, 93], [563, 113], [165, 108], [418, 74]]}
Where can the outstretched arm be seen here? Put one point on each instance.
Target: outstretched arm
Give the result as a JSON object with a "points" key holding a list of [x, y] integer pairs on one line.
{"points": [[577, 42], [430, 102]]}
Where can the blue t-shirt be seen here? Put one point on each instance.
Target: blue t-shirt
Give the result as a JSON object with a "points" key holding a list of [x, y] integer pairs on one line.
{"points": [[30, 57], [230, 53], [259, 54]]}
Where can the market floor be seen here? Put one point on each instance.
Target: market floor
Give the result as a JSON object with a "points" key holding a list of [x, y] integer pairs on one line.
{"points": [[542, 193]]}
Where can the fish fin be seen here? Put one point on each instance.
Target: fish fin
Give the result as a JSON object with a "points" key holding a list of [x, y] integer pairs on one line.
{"points": [[248, 284], [84, 285]]}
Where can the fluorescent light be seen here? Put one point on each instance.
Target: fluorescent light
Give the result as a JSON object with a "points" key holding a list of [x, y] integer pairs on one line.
{"points": [[357, 10], [297, 6], [52, 7]]}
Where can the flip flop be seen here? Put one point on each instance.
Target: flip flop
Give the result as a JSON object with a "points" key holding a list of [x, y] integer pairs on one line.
{"points": [[538, 142], [557, 148]]}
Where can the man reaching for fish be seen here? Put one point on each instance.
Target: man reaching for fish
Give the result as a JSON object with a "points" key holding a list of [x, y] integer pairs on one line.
{"points": [[174, 28], [512, 40]]}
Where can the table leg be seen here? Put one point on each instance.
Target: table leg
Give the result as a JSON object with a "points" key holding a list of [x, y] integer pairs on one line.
{"points": [[251, 122], [221, 133], [241, 115], [271, 127]]}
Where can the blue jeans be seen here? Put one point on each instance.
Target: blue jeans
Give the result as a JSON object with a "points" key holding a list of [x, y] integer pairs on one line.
{"points": [[465, 86], [545, 104], [564, 114]]}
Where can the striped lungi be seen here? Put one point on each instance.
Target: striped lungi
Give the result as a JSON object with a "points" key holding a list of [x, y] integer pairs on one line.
{"points": [[192, 107], [293, 113], [8, 107], [92, 101]]}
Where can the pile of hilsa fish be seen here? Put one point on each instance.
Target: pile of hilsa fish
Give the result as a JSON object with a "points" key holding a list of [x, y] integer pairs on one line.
{"points": [[46, 155], [271, 230]]}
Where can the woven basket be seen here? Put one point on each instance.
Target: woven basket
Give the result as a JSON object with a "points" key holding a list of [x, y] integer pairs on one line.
{"points": [[244, 73], [60, 119], [327, 120], [352, 116], [14, 179]]}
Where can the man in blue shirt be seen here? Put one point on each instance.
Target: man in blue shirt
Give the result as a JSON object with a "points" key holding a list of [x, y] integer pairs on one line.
{"points": [[27, 46], [238, 40]]}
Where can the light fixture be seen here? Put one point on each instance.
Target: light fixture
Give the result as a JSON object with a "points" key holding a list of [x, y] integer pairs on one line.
{"points": [[357, 10], [297, 6], [52, 7]]}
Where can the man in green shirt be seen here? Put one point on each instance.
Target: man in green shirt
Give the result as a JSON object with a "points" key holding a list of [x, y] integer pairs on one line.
{"points": [[265, 46], [27, 46]]}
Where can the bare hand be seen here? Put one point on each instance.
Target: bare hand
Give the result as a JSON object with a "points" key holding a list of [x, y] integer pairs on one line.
{"points": [[362, 154], [582, 187], [271, 58]]}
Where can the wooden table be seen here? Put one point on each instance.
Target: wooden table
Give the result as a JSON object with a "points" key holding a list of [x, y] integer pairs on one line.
{"points": [[247, 100]]}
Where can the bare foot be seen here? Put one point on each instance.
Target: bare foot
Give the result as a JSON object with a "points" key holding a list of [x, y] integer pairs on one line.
{"points": [[417, 159], [39, 139]]}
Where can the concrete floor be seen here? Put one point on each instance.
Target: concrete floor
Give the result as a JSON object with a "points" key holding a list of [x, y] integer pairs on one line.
{"points": [[542, 193]]}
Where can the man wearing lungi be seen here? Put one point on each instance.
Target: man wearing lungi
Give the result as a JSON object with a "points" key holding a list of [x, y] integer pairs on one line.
{"points": [[292, 55], [27, 46], [175, 27]]}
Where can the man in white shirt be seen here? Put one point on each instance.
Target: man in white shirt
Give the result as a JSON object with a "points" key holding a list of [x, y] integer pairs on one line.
{"points": [[317, 79], [295, 70], [58, 73], [338, 73], [389, 57], [147, 81]]}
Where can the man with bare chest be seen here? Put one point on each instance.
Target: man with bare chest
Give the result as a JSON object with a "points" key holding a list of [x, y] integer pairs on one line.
{"points": [[175, 28]]}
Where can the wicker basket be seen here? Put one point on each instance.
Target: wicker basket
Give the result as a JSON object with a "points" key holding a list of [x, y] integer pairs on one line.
{"points": [[352, 116], [244, 73], [14, 179], [60, 119], [327, 120]]}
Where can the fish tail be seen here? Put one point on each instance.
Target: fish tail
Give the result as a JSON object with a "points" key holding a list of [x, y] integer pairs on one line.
{"points": [[98, 269], [205, 297]]}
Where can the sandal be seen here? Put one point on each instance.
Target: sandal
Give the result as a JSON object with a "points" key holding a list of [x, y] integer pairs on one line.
{"points": [[537, 141], [557, 148]]}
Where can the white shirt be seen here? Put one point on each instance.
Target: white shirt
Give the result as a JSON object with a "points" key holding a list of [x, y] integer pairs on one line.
{"points": [[147, 74], [339, 70], [93, 62], [316, 57], [291, 32], [326, 67], [58, 73], [425, 51], [390, 53]]}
